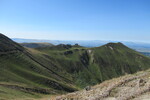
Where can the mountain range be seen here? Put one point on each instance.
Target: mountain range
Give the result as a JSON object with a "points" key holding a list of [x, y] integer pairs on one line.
{"points": [[138, 46], [57, 69]]}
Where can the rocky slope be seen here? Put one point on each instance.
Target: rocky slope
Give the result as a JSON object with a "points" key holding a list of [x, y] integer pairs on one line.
{"points": [[129, 87]]}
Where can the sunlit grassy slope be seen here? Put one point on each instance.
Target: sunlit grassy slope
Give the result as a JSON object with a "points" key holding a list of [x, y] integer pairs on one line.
{"points": [[30, 71], [63, 68], [90, 66]]}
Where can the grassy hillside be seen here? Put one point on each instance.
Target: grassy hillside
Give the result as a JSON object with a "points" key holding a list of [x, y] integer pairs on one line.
{"points": [[36, 45], [7, 44], [27, 72], [90, 66]]}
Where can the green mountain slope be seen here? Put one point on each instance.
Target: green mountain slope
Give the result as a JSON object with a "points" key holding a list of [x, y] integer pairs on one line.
{"points": [[90, 66], [26, 71], [7, 44], [36, 45], [63, 68]]}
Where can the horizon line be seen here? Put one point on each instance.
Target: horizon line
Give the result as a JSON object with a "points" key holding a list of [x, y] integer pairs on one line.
{"points": [[84, 40]]}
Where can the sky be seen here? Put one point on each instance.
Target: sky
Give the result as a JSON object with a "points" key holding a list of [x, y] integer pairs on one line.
{"points": [[119, 20]]}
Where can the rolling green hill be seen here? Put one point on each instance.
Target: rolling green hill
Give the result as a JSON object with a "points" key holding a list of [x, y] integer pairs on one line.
{"points": [[36, 45], [32, 73]]}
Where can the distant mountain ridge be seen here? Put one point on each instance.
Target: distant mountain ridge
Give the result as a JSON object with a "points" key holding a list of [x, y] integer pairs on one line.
{"points": [[138, 46]]}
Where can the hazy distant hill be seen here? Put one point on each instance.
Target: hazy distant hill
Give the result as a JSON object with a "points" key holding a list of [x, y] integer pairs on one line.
{"points": [[28, 72], [146, 53], [36, 45], [142, 47]]}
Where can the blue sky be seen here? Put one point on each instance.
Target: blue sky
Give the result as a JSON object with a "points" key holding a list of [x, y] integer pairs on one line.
{"points": [[122, 20]]}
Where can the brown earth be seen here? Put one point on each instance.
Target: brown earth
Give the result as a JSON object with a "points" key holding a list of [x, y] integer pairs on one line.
{"points": [[128, 87]]}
